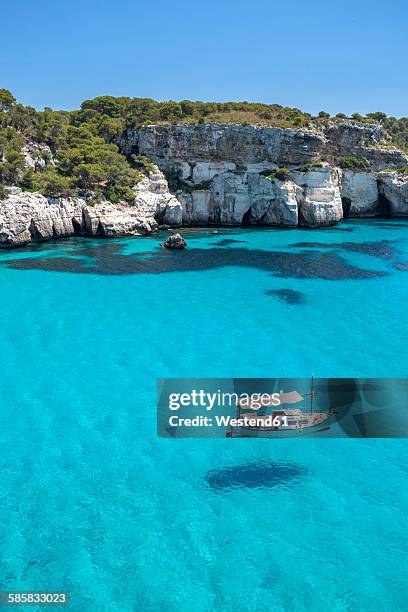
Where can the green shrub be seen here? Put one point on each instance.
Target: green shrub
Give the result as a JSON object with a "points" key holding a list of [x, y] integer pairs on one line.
{"points": [[403, 170], [143, 163], [6, 99], [120, 191], [308, 167], [50, 182], [178, 184], [93, 201], [354, 163], [282, 174], [378, 116], [12, 162], [3, 192]]}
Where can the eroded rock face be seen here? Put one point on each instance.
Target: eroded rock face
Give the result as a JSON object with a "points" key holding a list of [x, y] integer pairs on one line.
{"points": [[216, 171], [196, 209], [229, 198], [231, 144], [107, 219], [359, 192], [355, 139], [31, 217], [393, 186], [272, 202], [312, 198], [153, 200], [243, 145], [236, 199], [320, 201]]}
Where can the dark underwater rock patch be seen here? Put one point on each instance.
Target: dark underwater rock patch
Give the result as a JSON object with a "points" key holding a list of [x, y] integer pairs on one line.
{"points": [[290, 296], [227, 242], [382, 249], [108, 260], [388, 224], [257, 475]]}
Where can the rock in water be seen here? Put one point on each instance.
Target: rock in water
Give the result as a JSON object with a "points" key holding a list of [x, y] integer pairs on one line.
{"points": [[174, 242]]}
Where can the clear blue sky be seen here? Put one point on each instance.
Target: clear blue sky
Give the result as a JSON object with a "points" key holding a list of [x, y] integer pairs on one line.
{"points": [[342, 56]]}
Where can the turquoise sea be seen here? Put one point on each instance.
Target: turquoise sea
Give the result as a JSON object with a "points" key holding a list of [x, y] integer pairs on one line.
{"points": [[94, 503]]}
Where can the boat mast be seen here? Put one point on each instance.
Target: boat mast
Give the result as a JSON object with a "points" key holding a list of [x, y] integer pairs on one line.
{"points": [[311, 394]]}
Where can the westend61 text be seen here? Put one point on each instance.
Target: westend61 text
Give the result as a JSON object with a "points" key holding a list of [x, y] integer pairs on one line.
{"points": [[227, 421]]}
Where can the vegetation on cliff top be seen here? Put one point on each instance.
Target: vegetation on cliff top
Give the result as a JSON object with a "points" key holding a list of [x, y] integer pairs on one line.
{"points": [[360, 164], [135, 112], [78, 154], [283, 174]]}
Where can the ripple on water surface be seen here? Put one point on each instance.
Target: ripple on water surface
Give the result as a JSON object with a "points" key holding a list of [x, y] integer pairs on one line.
{"points": [[95, 503]]}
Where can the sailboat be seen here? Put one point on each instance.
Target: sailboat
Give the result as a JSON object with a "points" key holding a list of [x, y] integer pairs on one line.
{"points": [[281, 419]]}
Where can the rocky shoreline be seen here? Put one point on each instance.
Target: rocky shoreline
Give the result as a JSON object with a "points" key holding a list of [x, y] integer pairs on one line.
{"points": [[31, 217], [211, 174]]}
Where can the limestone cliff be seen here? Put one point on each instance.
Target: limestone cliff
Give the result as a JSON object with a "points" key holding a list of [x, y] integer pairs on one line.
{"points": [[218, 172], [182, 147], [359, 192], [226, 175], [30, 217], [394, 188]]}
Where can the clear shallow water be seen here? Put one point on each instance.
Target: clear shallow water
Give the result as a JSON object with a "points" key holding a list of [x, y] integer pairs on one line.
{"points": [[94, 503]]}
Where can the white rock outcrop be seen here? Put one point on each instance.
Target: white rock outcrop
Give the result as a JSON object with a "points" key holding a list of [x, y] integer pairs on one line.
{"points": [[30, 217], [229, 198], [312, 198], [393, 186], [107, 219], [359, 192], [205, 171], [320, 201], [154, 200], [37, 156], [217, 171], [272, 202], [196, 208]]}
